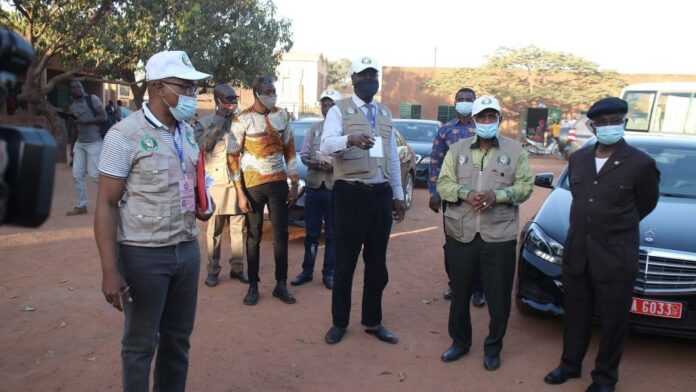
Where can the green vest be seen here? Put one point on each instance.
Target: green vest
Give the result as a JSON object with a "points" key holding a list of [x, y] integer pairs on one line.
{"points": [[496, 224], [150, 212], [355, 163]]}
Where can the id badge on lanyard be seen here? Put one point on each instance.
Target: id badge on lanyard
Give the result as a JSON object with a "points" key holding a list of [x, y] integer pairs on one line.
{"points": [[187, 184]]}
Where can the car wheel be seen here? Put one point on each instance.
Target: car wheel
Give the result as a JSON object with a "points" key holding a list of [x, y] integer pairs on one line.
{"points": [[524, 309], [408, 190]]}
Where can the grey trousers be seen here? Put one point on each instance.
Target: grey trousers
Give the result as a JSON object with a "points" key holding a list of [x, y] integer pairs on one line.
{"points": [[216, 226], [164, 288]]}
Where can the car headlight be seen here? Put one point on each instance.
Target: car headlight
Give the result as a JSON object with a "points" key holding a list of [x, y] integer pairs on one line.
{"points": [[543, 246], [418, 158]]}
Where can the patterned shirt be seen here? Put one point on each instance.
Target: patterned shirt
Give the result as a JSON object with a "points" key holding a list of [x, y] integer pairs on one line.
{"points": [[262, 148], [447, 135]]}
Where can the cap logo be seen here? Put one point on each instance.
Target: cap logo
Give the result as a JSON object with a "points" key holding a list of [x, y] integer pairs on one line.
{"points": [[185, 60], [366, 60], [486, 101]]}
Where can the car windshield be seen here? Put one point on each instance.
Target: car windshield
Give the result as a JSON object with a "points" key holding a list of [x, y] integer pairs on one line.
{"points": [[416, 132], [676, 165], [299, 129]]}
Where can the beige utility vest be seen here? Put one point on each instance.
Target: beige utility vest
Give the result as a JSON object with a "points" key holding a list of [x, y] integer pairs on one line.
{"points": [[317, 177], [355, 163], [223, 191], [496, 224], [150, 211]]}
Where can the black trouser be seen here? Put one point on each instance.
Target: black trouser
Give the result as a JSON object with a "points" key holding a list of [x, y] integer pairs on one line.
{"points": [[477, 286], [612, 301], [164, 285], [363, 221], [275, 195], [495, 262]]}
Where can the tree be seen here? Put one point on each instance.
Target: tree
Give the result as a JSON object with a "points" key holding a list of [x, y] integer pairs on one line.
{"points": [[60, 31], [233, 40], [338, 74], [522, 77]]}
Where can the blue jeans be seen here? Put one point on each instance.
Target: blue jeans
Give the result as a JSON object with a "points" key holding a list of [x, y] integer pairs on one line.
{"points": [[164, 287], [319, 210], [85, 162]]}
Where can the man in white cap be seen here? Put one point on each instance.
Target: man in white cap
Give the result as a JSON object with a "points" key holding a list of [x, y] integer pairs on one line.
{"points": [[483, 179], [368, 197], [318, 199], [145, 225]]}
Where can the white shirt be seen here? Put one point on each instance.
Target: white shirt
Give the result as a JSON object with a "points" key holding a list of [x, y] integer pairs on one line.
{"points": [[599, 163], [333, 142]]}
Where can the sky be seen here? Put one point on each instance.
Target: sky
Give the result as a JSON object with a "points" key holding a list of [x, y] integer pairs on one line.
{"points": [[638, 36]]}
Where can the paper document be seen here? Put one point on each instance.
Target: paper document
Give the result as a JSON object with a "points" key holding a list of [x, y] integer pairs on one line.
{"points": [[377, 151]]}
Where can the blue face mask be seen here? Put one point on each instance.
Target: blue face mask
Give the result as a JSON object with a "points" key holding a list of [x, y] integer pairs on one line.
{"points": [[487, 131], [610, 134], [463, 108], [185, 108]]}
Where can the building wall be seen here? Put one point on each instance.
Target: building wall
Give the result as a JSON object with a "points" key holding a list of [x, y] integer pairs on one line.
{"points": [[300, 80]]}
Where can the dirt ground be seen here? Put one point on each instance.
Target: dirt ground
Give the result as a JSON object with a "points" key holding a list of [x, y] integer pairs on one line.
{"points": [[58, 334]]}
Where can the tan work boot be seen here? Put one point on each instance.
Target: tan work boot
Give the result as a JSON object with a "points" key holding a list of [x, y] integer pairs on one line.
{"points": [[77, 211]]}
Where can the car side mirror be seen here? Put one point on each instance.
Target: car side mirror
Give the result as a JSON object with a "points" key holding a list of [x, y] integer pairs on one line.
{"points": [[544, 180]]}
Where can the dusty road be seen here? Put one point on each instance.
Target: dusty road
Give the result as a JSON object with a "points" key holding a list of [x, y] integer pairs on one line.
{"points": [[58, 334]]}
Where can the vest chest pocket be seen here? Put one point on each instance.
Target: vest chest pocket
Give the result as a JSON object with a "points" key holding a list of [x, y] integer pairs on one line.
{"points": [[152, 174], [465, 170], [503, 213], [454, 222]]}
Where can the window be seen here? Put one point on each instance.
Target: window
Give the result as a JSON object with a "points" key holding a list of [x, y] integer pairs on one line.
{"points": [[640, 105], [124, 91], [671, 113], [416, 132]]}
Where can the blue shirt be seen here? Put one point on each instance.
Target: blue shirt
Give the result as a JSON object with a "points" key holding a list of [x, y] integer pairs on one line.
{"points": [[447, 135]]}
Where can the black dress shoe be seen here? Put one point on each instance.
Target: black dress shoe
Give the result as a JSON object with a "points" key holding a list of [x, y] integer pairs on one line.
{"points": [[594, 387], [252, 296], [328, 282], [453, 353], [560, 375], [211, 280], [240, 276], [447, 295], [491, 362], [383, 334], [478, 299], [281, 292], [301, 279], [334, 335]]}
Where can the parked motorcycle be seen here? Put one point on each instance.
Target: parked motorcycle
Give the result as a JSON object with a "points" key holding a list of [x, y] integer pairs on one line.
{"points": [[538, 148]]}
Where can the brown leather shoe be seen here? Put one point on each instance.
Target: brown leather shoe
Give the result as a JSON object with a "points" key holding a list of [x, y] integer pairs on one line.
{"points": [[77, 211]]}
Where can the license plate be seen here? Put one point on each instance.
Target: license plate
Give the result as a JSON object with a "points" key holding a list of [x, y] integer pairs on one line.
{"points": [[649, 307]]}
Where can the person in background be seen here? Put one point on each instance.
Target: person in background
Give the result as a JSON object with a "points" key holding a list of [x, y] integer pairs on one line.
{"points": [[460, 127], [87, 118], [262, 161], [125, 112], [214, 139], [319, 201]]}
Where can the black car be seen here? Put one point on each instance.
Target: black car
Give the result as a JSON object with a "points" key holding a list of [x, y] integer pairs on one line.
{"points": [[419, 134], [665, 289]]}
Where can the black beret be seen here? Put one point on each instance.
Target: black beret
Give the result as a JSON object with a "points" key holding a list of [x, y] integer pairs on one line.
{"points": [[611, 105]]}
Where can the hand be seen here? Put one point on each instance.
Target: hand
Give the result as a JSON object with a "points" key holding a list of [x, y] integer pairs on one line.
{"points": [[325, 166], [115, 290], [398, 210], [484, 201], [205, 215], [435, 202], [243, 203], [292, 193], [361, 140]]}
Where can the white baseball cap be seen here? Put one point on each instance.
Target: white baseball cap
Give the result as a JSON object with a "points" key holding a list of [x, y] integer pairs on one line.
{"points": [[485, 102], [331, 94], [362, 63], [172, 64]]}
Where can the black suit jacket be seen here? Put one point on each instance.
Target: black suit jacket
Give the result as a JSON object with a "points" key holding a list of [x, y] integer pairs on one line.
{"points": [[603, 237]]}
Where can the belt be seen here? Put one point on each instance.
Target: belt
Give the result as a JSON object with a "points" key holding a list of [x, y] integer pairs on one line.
{"points": [[364, 185]]}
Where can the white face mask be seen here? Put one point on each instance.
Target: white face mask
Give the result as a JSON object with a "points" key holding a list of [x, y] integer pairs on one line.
{"points": [[464, 108]]}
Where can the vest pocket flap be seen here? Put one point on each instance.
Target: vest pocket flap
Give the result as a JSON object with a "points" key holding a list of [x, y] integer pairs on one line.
{"points": [[453, 212], [138, 206], [353, 153], [502, 213]]}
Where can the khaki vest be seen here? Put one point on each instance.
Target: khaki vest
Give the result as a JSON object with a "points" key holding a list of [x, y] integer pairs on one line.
{"points": [[150, 212], [223, 191], [496, 224], [317, 177], [355, 163]]}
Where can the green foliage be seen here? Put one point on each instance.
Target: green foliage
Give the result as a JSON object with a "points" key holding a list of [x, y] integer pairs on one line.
{"points": [[338, 74], [522, 77]]}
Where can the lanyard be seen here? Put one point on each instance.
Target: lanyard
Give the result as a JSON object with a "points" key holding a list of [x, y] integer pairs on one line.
{"points": [[179, 148]]}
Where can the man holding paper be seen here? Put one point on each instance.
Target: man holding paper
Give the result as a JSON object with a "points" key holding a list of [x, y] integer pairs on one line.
{"points": [[368, 196]]}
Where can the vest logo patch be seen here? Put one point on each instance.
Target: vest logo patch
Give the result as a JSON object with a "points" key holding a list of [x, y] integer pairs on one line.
{"points": [[384, 112], [504, 160], [350, 111], [463, 159], [148, 144]]}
